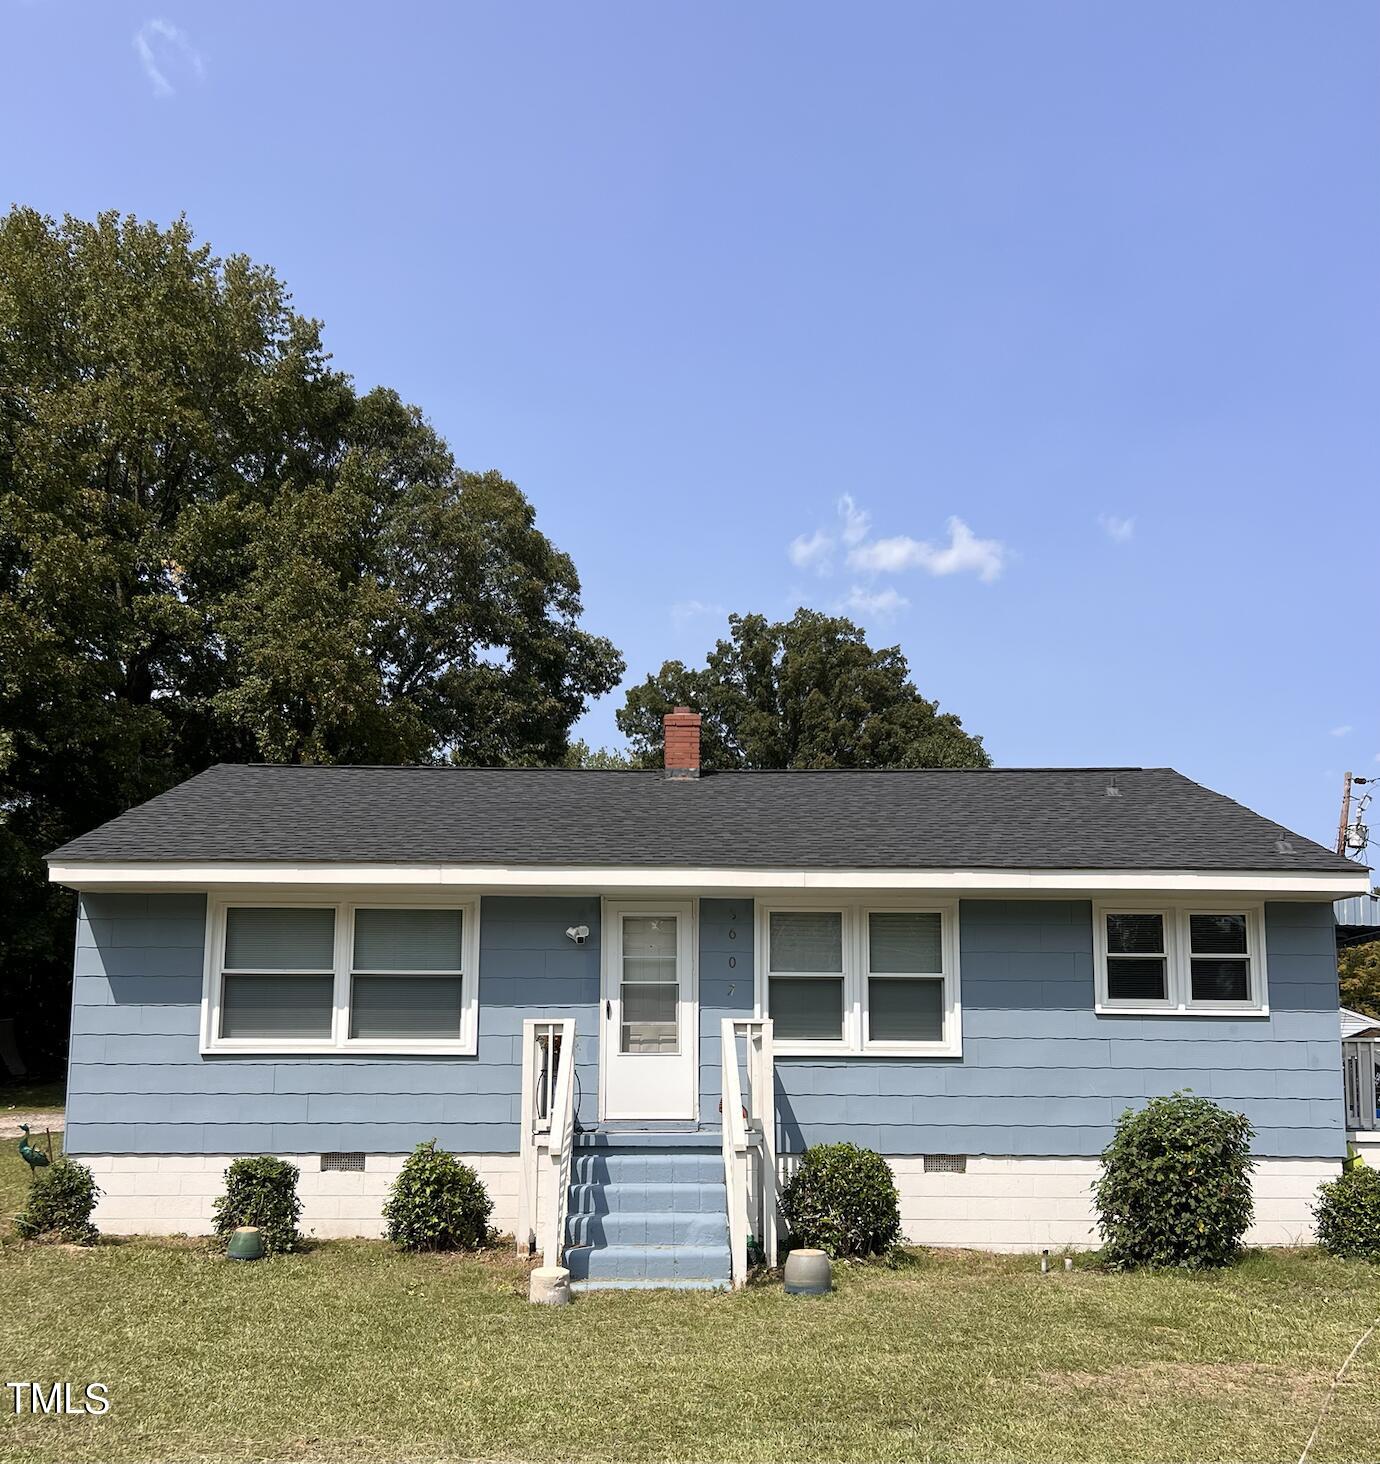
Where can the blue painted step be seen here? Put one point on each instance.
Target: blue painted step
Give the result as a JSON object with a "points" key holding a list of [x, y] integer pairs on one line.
{"points": [[647, 1209]]}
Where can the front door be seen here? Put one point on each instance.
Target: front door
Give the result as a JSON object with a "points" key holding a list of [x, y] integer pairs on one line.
{"points": [[647, 1055]]}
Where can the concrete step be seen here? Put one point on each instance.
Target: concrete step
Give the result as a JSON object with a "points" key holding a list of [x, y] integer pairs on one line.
{"points": [[613, 1264], [611, 1137], [647, 1166], [630, 1228], [653, 1198], [649, 1285]]}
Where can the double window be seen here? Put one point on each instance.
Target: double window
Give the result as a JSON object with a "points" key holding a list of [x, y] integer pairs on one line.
{"points": [[1180, 959], [368, 977], [861, 978]]}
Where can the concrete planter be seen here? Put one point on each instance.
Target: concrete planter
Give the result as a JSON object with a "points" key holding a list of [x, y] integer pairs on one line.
{"points": [[549, 1286], [808, 1273]]}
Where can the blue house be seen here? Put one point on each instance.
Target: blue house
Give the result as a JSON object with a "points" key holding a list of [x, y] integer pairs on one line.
{"points": [[630, 999]]}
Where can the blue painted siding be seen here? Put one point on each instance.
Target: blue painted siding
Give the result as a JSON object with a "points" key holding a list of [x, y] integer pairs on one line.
{"points": [[1030, 1033], [137, 1083], [1041, 1073], [726, 988]]}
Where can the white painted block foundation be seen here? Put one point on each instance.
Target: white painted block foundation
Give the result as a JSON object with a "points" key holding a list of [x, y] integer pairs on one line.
{"points": [[173, 1194], [1367, 1144], [1005, 1204], [1026, 1204]]}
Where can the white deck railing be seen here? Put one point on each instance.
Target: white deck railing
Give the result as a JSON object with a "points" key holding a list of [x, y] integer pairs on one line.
{"points": [[1358, 1083], [749, 1141], [546, 1136]]}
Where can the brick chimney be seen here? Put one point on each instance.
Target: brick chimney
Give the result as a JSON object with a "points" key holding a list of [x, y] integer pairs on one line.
{"points": [[682, 732]]}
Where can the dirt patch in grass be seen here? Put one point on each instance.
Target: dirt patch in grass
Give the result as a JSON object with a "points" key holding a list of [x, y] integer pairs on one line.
{"points": [[1199, 1380]]}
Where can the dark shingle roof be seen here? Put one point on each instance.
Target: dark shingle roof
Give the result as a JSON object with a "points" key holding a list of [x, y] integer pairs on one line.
{"points": [[999, 818]]}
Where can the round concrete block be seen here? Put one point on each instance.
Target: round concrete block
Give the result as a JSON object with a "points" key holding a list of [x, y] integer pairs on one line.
{"points": [[549, 1286], [808, 1273]]}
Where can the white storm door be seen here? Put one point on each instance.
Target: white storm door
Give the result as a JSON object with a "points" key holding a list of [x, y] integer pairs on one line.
{"points": [[648, 1047]]}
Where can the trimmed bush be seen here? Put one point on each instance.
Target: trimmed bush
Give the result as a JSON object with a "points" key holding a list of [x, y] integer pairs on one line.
{"points": [[261, 1191], [1348, 1214], [437, 1203], [843, 1200], [61, 1199], [1176, 1185]]}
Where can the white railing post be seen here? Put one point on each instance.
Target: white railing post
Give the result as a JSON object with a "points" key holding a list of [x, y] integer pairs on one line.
{"points": [[562, 1138], [764, 1101], [749, 1141], [1358, 1083], [735, 1142], [525, 1234], [546, 1135]]}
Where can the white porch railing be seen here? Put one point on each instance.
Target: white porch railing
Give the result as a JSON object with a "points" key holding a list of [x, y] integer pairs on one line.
{"points": [[1359, 1068], [749, 1141], [546, 1136]]}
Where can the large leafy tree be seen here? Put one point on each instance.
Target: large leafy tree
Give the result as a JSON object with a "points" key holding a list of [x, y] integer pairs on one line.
{"points": [[212, 547], [808, 692], [1358, 969]]}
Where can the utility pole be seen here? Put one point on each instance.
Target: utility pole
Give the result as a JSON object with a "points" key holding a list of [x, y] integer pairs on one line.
{"points": [[1346, 814]]}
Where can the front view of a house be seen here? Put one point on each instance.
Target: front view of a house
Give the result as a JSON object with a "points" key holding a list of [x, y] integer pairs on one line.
{"points": [[972, 972]]}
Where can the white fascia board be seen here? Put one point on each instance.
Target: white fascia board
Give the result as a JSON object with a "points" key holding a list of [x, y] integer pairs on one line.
{"points": [[1276, 884]]}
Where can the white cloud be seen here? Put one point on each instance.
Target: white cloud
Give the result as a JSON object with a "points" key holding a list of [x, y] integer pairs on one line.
{"points": [[162, 47], [965, 553], [684, 611], [814, 553], [1118, 530], [856, 521], [1344, 730], [881, 603]]}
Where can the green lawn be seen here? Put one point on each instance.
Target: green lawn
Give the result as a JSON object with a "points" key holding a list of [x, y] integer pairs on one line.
{"points": [[353, 1352], [32, 1097]]}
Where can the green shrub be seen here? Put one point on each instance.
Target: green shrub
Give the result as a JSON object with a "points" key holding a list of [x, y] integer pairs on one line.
{"points": [[1176, 1185], [842, 1200], [261, 1191], [1348, 1214], [61, 1199], [437, 1203]]}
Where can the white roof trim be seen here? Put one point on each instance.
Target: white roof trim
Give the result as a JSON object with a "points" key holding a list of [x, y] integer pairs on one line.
{"points": [[92, 875]]}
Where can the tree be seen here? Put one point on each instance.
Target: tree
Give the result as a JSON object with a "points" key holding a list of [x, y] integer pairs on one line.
{"points": [[1358, 967], [212, 547], [808, 692], [604, 759]]}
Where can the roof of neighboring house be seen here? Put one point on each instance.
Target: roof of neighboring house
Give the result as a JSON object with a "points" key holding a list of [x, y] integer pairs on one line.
{"points": [[1357, 1024], [995, 818], [1359, 910]]}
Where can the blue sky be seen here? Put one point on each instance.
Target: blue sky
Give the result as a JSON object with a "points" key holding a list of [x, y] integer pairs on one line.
{"points": [[1043, 339]]}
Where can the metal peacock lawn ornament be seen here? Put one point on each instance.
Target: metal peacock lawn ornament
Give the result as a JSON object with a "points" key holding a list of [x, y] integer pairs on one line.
{"points": [[34, 1158]]}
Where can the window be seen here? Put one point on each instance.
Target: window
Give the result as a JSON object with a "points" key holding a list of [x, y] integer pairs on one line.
{"points": [[905, 976], [1137, 957], [1197, 960], [329, 977], [278, 976], [805, 974], [407, 976], [858, 978], [649, 989]]}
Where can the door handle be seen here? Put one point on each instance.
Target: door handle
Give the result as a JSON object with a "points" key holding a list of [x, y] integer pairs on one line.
{"points": [[608, 1010]]}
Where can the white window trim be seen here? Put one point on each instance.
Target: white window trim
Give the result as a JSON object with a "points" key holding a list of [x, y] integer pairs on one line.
{"points": [[1178, 998], [855, 977], [340, 1041]]}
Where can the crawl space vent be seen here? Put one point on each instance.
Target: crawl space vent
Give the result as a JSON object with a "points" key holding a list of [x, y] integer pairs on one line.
{"points": [[342, 1161], [946, 1164]]}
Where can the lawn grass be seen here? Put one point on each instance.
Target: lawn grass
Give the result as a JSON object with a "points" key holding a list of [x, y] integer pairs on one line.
{"points": [[354, 1352], [25, 1097]]}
